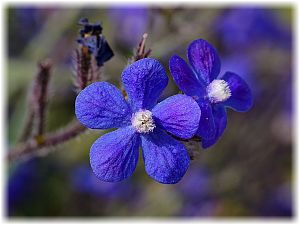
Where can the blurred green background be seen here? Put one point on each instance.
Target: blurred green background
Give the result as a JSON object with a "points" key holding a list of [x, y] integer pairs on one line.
{"points": [[249, 172]]}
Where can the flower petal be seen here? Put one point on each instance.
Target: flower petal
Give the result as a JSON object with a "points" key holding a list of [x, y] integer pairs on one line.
{"points": [[166, 159], [241, 98], [204, 59], [220, 119], [207, 127], [144, 81], [179, 115], [114, 156], [102, 106], [185, 78]]}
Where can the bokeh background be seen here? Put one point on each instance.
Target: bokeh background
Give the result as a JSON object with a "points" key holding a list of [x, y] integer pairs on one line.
{"points": [[248, 173]]}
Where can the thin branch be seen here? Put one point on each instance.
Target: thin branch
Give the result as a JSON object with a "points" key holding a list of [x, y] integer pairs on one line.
{"points": [[30, 147], [28, 126], [36, 102], [96, 73], [41, 94], [82, 62], [142, 45]]}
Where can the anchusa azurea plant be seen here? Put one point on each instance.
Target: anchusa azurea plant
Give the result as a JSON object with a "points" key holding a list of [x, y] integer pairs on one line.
{"points": [[140, 120], [159, 127]]}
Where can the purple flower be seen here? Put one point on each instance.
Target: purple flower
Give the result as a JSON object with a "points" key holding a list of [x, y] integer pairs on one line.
{"points": [[278, 203], [204, 208], [195, 189], [21, 184], [196, 184], [140, 121], [129, 24], [212, 92], [246, 27]]}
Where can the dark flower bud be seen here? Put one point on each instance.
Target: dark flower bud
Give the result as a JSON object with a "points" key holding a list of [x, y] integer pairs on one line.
{"points": [[92, 38]]}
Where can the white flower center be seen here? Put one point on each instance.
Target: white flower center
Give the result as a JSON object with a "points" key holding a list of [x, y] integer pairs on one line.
{"points": [[142, 121], [218, 91]]}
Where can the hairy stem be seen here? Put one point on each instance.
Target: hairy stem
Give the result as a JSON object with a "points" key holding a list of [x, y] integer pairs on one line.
{"points": [[32, 146], [37, 101], [82, 67], [28, 126], [41, 94]]}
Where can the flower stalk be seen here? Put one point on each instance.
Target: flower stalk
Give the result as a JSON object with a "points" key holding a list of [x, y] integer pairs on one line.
{"points": [[32, 146], [37, 102], [41, 92]]}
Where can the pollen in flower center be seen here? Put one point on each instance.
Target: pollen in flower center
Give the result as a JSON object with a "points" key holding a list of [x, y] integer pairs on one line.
{"points": [[218, 91], [142, 121]]}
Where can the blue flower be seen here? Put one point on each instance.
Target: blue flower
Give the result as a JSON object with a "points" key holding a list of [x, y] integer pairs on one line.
{"points": [[212, 92], [196, 184], [140, 121], [129, 23], [247, 27], [278, 203], [21, 184], [195, 190]]}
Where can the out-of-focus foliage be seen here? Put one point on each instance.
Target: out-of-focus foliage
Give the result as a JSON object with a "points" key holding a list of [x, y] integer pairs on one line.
{"points": [[247, 173]]}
